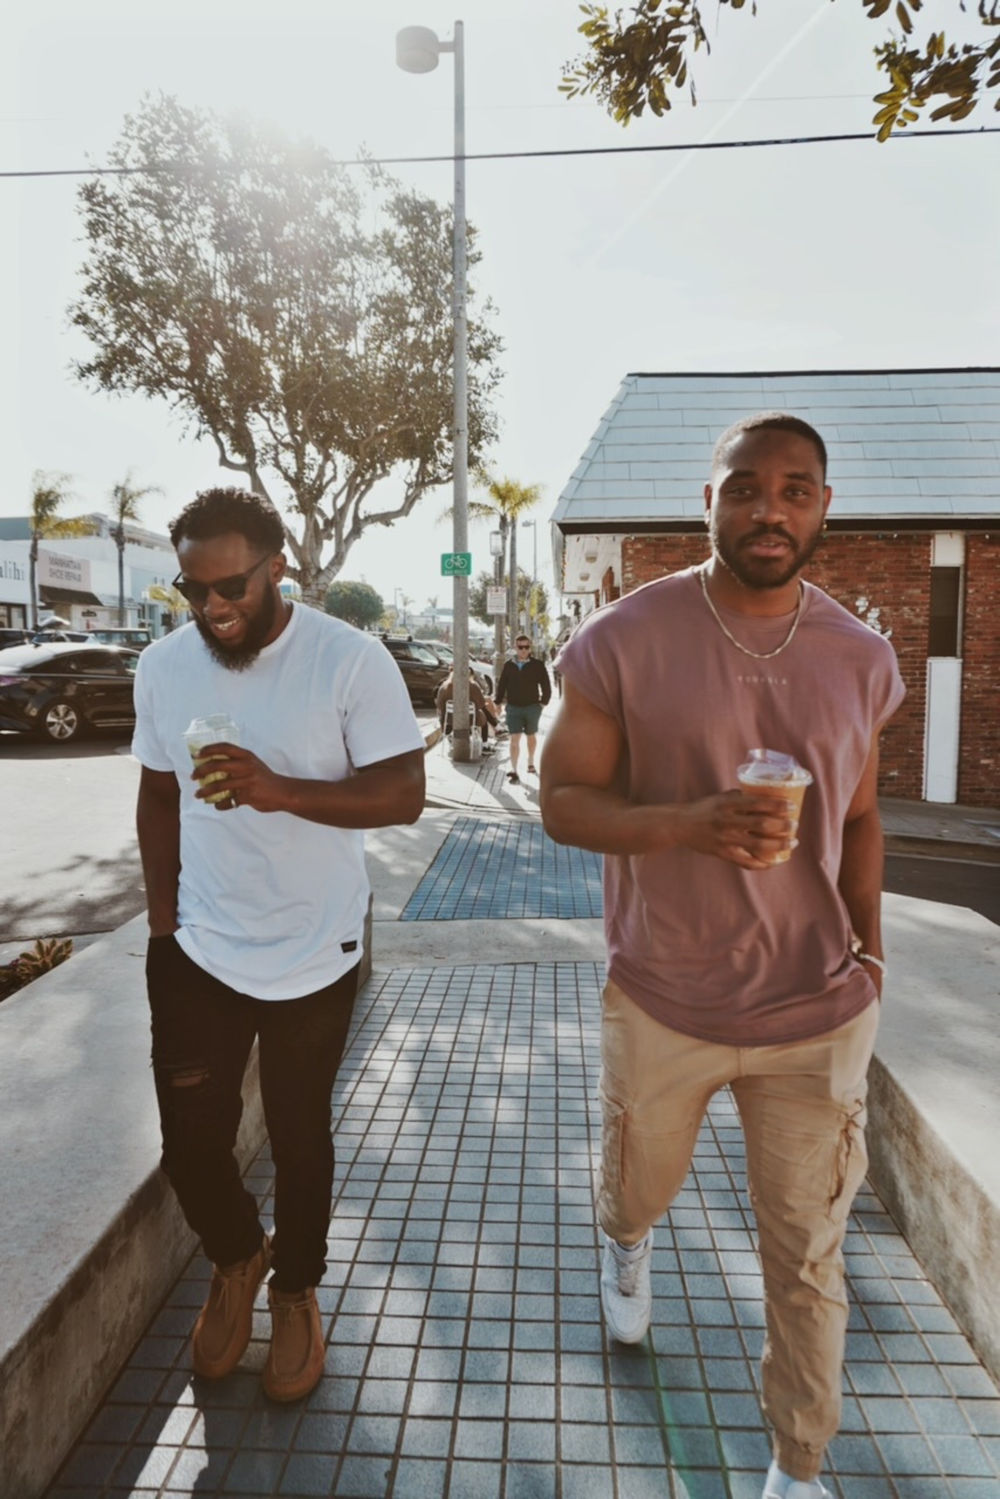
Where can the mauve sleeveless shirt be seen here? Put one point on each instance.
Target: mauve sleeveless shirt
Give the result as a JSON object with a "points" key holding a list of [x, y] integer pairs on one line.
{"points": [[742, 957]]}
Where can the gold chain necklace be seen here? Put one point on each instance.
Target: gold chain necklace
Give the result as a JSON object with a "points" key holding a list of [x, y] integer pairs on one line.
{"points": [[757, 655]]}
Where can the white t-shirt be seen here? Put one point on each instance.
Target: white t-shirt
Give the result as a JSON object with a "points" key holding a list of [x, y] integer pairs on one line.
{"points": [[272, 904]]}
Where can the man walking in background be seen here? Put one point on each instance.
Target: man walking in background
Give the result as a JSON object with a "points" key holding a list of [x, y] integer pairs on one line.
{"points": [[257, 895], [525, 687], [731, 963]]}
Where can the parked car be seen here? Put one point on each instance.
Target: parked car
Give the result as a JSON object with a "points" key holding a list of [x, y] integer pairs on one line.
{"points": [[10, 635], [46, 635], [422, 668], [137, 637], [483, 669], [59, 689]]}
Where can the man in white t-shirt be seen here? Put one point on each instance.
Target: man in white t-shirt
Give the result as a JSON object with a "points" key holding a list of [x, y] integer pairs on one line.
{"points": [[257, 905]]}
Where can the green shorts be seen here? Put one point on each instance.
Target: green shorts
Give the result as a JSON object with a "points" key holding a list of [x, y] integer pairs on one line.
{"points": [[523, 720]]}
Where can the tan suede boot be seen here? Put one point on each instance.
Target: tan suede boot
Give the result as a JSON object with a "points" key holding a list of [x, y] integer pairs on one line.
{"points": [[222, 1331], [295, 1359]]}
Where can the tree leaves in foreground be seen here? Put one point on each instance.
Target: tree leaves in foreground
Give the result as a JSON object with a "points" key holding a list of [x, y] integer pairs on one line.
{"points": [[357, 603], [635, 57], [297, 315]]}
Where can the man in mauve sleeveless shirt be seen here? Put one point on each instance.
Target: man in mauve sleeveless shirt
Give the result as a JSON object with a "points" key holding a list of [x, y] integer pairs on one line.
{"points": [[726, 968]]}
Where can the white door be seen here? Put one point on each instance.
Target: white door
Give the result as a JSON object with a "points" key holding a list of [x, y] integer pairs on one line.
{"points": [[944, 701]]}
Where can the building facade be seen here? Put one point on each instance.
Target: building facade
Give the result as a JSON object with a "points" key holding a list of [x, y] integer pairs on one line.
{"points": [[912, 545], [77, 576]]}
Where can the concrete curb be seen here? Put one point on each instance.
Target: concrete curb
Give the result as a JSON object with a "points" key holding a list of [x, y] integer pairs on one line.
{"points": [[941, 848], [93, 1237], [947, 1218]]}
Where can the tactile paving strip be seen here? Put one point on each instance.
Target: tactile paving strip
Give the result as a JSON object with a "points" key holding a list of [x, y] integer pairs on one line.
{"points": [[506, 870]]}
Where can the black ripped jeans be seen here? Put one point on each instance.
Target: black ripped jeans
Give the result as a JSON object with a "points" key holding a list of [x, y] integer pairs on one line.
{"points": [[203, 1032]]}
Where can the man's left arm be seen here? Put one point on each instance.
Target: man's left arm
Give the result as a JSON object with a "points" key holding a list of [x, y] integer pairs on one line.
{"points": [[861, 865], [546, 683], [379, 795]]}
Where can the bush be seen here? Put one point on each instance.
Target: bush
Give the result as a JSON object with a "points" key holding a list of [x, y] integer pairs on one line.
{"points": [[32, 963]]}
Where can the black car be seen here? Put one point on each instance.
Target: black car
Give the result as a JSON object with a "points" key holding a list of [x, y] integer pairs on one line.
{"points": [[10, 635], [59, 689], [422, 668]]}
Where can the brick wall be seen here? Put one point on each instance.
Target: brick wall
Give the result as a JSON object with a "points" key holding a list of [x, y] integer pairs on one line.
{"points": [[647, 557], [979, 745], [884, 579]]}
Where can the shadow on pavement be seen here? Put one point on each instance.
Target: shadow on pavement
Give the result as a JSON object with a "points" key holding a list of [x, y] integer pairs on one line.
{"points": [[93, 895]]}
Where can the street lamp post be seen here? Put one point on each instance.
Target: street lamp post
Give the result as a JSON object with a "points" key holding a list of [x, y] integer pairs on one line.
{"points": [[417, 51], [534, 575]]}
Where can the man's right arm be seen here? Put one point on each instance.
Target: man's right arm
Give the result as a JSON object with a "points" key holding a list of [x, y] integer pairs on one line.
{"points": [[584, 804], [158, 823]]}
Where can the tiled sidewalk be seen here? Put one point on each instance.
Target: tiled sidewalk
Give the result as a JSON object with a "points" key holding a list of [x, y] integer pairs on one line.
{"points": [[467, 1357]]}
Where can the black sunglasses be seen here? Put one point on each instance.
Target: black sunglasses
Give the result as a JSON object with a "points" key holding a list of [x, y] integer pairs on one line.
{"points": [[231, 589]]}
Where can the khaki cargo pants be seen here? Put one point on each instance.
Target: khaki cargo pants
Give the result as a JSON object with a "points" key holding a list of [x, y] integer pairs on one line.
{"points": [[802, 1107]]}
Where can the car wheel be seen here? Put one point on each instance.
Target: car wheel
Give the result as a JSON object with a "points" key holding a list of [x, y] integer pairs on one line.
{"points": [[61, 723]]}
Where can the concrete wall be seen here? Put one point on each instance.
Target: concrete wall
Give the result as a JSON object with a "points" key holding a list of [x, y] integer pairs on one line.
{"points": [[92, 1236], [935, 1105]]}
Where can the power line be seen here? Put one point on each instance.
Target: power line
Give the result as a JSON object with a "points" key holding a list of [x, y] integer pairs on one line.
{"points": [[180, 168]]}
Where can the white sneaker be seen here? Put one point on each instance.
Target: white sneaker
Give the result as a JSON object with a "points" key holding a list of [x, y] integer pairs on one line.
{"points": [[625, 1291], [778, 1485]]}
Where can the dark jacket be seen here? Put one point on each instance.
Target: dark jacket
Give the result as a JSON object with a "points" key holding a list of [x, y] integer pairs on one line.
{"points": [[523, 686]]}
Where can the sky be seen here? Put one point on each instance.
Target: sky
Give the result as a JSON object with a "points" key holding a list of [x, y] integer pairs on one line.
{"points": [[830, 256]]}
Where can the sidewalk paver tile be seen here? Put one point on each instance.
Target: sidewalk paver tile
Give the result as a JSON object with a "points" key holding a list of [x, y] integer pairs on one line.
{"points": [[467, 1356]]}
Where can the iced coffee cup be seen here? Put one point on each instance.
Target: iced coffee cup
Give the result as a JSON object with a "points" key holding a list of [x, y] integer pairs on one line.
{"points": [[770, 773], [217, 728]]}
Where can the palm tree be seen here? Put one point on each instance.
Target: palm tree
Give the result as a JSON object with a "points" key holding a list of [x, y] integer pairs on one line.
{"points": [[48, 493], [507, 502], [177, 604], [125, 498]]}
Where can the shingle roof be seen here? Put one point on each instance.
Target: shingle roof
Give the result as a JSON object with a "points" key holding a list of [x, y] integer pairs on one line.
{"points": [[920, 444]]}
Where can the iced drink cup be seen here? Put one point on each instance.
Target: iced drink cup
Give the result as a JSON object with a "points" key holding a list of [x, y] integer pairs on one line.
{"points": [[201, 732], [770, 773]]}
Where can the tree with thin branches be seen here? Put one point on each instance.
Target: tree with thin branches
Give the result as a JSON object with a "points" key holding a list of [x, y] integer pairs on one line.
{"points": [[49, 492], [125, 501], [294, 313]]}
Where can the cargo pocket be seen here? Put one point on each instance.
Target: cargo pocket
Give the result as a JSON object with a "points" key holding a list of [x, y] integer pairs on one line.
{"points": [[850, 1162], [611, 1180]]}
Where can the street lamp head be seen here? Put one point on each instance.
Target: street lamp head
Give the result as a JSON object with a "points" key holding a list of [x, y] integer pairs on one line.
{"points": [[496, 543], [417, 49]]}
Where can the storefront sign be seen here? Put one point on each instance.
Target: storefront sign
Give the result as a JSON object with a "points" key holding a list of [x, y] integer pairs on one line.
{"points": [[57, 570]]}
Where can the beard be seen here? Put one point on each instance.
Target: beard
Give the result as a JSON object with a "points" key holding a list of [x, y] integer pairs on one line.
{"points": [[763, 572], [239, 657]]}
